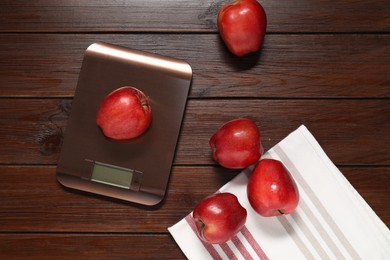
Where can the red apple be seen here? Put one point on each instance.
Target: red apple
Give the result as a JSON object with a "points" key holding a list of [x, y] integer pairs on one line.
{"points": [[271, 189], [236, 144], [219, 217], [242, 26], [124, 113]]}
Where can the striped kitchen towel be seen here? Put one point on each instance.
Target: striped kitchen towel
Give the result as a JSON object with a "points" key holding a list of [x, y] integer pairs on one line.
{"points": [[332, 221]]}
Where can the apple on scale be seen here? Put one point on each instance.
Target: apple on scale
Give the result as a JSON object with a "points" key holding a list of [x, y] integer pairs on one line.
{"points": [[125, 113]]}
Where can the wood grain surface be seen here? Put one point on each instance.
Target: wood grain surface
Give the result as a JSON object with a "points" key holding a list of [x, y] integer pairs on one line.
{"points": [[296, 66], [284, 16], [64, 210], [323, 64], [32, 130]]}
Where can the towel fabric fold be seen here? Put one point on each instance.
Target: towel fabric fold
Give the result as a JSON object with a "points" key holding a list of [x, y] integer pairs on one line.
{"points": [[332, 221]]}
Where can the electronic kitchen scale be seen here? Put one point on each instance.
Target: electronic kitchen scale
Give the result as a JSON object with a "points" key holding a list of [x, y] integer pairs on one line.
{"points": [[135, 170]]}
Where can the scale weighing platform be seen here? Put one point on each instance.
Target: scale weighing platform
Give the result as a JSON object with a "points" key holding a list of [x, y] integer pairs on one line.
{"points": [[135, 170]]}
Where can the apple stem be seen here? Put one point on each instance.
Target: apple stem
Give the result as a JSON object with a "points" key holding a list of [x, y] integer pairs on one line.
{"points": [[199, 223], [146, 101], [281, 211], [200, 226]]}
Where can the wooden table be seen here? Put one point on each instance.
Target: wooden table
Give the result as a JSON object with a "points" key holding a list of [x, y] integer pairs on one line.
{"points": [[324, 64]]}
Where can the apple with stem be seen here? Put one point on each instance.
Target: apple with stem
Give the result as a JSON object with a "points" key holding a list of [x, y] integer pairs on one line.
{"points": [[236, 144], [219, 217], [242, 26], [271, 189], [125, 113]]}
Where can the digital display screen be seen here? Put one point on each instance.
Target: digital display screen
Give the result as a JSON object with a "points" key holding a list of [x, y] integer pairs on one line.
{"points": [[112, 175]]}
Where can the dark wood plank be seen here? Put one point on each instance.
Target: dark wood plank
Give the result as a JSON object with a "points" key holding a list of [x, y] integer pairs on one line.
{"points": [[88, 246], [352, 132], [330, 66], [33, 201], [42, 128], [186, 15]]}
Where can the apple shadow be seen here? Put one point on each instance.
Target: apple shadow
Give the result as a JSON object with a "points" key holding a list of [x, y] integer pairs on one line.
{"points": [[225, 175], [239, 63], [278, 226], [270, 226], [135, 140]]}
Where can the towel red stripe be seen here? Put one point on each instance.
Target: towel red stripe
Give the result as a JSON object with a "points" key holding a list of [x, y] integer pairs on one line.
{"points": [[252, 241], [228, 251], [240, 246]]}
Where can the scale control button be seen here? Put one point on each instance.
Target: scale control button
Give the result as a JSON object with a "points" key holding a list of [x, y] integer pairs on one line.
{"points": [[136, 182]]}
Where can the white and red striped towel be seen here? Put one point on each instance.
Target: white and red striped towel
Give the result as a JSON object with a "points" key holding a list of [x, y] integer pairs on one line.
{"points": [[332, 221]]}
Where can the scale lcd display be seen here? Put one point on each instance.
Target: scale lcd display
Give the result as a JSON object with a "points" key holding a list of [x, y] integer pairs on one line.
{"points": [[112, 175]]}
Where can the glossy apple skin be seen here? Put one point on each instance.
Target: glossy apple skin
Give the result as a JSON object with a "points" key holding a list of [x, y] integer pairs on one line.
{"points": [[271, 189], [124, 114], [242, 26], [236, 144], [219, 217]]}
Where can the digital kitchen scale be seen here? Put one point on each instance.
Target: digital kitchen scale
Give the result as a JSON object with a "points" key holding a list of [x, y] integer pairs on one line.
{"points": [[134, 170]]}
